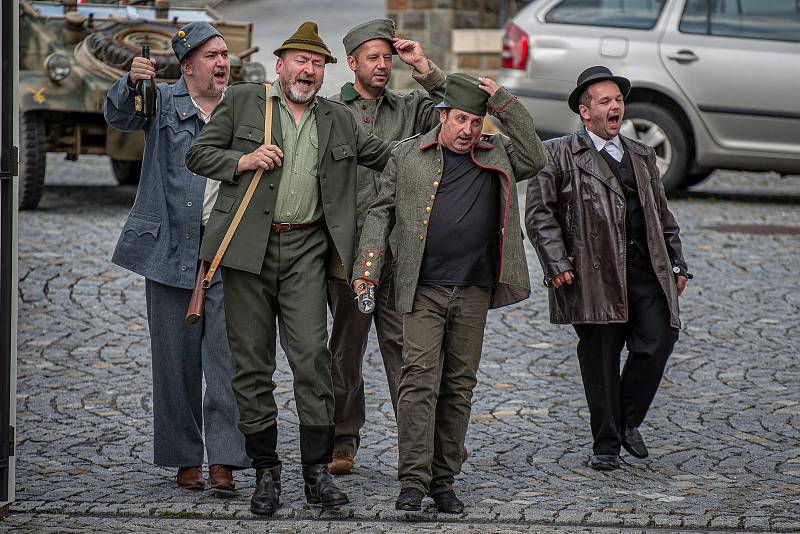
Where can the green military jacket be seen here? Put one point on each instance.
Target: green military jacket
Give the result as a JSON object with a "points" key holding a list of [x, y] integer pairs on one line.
{"points": [[408, 190], [237, 128], [393, 117]]}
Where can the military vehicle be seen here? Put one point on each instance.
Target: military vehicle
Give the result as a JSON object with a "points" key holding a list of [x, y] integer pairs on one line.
{"points": [[70, 54]]}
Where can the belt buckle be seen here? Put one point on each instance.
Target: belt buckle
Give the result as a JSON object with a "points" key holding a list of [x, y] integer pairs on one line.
{"points": [[282, 227]]}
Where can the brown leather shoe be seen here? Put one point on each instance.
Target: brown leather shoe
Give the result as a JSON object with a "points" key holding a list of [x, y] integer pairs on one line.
{"points": [[342, 463], [220, 477], [190, 478]]}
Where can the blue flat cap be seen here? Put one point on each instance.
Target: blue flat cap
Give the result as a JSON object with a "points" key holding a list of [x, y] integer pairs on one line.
{"points": [[192, 36]]}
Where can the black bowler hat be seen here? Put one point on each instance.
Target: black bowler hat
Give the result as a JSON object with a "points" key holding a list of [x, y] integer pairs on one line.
{"points": [[593, 75]]}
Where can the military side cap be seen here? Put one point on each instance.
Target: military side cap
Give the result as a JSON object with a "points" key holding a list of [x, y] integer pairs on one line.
{"points": [[461, 91], [192, 36], [307, 38], [374, 29]]}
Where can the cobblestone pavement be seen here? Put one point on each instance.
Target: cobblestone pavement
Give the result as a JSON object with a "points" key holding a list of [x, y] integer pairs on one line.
{"points": [[724, 431]]}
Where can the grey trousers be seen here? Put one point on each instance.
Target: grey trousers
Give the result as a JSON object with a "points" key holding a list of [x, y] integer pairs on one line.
{"points": [[443, 340], [182, 355], [348, 343]]}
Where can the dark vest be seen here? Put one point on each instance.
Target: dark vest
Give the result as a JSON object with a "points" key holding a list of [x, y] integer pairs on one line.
{"points": [[634, 218]]}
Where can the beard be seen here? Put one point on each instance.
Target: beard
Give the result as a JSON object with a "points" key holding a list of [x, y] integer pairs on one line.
{"points": [[294, 93], [213, 90]]}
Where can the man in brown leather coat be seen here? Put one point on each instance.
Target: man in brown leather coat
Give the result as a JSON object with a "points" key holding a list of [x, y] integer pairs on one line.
{"points": [[611, 256]]}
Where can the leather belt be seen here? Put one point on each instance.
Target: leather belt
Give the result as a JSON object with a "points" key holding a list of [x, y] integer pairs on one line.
{"points": [[280, 228]]}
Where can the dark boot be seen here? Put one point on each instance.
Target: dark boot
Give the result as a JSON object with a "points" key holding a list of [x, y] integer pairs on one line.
{"points": [[320, 488], [448, 503], [267, 498]]}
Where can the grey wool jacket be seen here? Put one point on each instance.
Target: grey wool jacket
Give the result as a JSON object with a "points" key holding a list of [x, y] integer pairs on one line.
{"points": [[399, 216]]}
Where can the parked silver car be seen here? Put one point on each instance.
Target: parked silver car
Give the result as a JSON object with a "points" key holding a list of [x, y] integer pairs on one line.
{"points": [[716, 83]]}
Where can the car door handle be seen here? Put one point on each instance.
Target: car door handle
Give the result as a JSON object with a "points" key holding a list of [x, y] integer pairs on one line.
{"points": [[683, 56]]}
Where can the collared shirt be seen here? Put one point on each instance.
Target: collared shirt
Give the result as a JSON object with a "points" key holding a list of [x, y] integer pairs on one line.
{"points": [[613, 146], [212, 186], [298, 193]]}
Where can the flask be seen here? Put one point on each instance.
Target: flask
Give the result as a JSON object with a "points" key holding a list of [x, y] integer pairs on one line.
{"points": [[366, 298], [145, 94]]}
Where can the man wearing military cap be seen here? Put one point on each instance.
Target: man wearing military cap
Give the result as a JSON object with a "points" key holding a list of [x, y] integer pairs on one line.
{"points": [[391, 116], [161, 240], [612, 257], [448, 198], [301, 219]]}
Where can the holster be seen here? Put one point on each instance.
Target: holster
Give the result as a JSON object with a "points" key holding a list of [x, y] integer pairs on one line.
{"points": [[195, 310]]}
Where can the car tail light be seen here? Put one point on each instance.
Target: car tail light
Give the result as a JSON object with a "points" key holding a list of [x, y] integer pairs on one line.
{"points": [[515, 48]]}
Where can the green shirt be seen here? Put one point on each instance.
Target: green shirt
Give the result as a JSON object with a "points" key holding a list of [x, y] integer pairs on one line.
{"points": [[298, 193]]}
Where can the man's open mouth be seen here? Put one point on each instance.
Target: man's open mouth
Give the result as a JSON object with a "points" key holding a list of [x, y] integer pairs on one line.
{"points": [[305, 83], [220, 75], [613, 120]]}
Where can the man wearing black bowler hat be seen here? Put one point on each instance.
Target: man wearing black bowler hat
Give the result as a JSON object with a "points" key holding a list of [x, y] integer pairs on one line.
{"points": [[612, 260]]}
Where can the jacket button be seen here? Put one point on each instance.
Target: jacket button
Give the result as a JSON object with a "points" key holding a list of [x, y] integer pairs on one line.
{"points": [[596, 265], [435, 183], [433, 197], [189, 204], [363, 106], [366, 273], [594, 234], [428, 209], [421, 237], [188, 236], [183, 267], [366, 119], [272, 186], [369, 264], [371, 254], [425, 222]]}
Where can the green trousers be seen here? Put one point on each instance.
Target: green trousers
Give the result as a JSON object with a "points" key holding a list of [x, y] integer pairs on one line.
{"points": [[291, 288], [442, 343]]}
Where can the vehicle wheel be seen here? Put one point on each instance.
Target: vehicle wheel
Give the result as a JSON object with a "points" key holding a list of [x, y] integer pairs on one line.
{"points": [[126, 172], [656, 127], [695, 177], [32, 159], [116, 44]]}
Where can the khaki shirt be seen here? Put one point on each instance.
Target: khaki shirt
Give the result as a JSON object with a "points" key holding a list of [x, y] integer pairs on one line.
{"points": [[298, 193]]}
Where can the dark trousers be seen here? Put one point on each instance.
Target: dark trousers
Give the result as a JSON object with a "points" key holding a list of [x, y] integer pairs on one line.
{"points": [[290, 288], [620, 401], [443, 339], [348, 344]]}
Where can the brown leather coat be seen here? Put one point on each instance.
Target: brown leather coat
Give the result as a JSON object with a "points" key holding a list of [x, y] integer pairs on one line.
{"points": [[575, 217]]}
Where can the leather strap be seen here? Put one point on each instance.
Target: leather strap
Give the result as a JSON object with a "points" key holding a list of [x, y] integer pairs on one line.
{"points": [[248, 195], [280, 228]]}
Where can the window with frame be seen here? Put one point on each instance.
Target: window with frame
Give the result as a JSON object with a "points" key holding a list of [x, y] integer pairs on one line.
{"points": [[777, 20], [633, 14]]}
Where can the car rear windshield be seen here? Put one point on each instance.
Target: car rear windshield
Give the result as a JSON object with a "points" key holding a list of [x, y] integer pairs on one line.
{"points": [[634, 14], [777, 20]]}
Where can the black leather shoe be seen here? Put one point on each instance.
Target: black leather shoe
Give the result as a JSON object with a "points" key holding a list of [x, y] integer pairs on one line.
{"points": [[320, 488], [448, 503], [605, 462], [267, 498], [409, 500], [633, 442]]}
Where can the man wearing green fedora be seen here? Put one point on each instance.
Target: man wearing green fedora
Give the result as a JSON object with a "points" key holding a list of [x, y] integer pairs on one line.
{"points": [[301, 219], [448, 199], [391, 116]]}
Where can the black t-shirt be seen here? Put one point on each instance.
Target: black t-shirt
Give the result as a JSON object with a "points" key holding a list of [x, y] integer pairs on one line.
{"points": [[463, 228]]}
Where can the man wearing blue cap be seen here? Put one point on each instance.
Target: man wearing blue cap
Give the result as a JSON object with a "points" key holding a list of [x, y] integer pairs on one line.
{"points": [[449, 200], [612, 260], [160, 241]]}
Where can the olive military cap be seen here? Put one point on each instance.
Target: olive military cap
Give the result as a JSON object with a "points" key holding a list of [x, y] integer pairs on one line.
{"points": [[461, 91], [374, 29], [192, 36], [307, 38]]}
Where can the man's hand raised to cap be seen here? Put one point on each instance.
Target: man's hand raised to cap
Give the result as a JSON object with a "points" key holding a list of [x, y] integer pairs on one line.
{"points": [[266, 156], [488, 85], [411, 53]]}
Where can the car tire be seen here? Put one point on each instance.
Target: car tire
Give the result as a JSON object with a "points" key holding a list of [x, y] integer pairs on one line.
{"points": [[32, 159], [116, 45], [656, 127], [126, 172]]}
